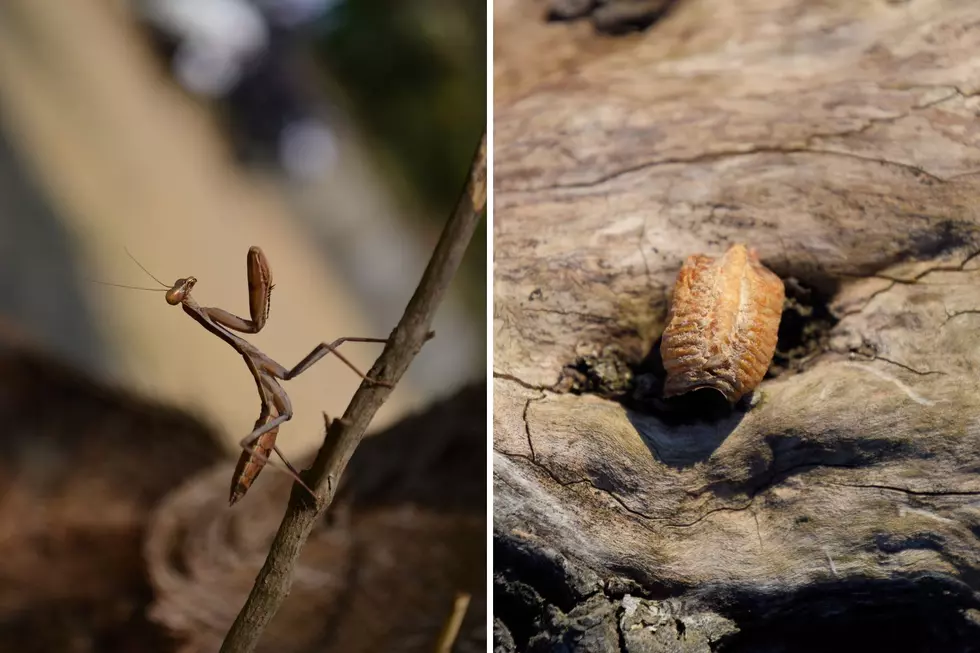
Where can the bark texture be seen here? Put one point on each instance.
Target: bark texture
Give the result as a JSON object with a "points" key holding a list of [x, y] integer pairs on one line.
{"points": [[840, 507]]}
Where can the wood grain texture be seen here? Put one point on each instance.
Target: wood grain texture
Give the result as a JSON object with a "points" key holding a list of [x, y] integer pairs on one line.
{"points": [[841, 140], [722, 325]]}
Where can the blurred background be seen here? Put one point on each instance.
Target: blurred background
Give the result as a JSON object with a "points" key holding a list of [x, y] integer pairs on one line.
{"points": [[335, 134]]}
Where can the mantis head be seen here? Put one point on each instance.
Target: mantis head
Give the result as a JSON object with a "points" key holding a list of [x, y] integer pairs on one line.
{"points": [[180, 291]]}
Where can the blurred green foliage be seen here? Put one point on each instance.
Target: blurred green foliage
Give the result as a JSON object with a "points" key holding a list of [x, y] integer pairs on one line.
{"points": [[415, 74]]}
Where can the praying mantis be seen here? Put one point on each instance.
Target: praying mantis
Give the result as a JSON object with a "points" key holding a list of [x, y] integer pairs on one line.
{"points": [[275, 405]]}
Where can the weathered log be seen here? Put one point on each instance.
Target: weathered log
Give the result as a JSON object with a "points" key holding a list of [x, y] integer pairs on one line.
{"points": [[406, 532], [840, 507]]}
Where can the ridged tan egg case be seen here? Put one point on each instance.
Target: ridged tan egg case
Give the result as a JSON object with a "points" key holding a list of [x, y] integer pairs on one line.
{"points": [[722, 325]]}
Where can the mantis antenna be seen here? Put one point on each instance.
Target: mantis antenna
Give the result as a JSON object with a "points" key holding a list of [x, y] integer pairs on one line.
{"points": [[144, 269]]}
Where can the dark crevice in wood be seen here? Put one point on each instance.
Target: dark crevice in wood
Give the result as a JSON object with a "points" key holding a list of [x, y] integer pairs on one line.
{"points": [[917, 613]]}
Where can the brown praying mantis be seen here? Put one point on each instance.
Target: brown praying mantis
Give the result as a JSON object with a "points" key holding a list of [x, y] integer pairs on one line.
{"points": [[275, 405]]}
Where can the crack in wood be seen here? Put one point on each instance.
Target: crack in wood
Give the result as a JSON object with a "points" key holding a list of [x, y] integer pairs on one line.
{"points": [[924, 493]]}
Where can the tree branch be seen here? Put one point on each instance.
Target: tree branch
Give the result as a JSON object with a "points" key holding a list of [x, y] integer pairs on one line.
{"points": [[344, 435]]}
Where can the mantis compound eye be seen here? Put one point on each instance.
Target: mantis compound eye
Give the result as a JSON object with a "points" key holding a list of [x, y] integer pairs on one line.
{"points": [[175, 295], [181, 289]]}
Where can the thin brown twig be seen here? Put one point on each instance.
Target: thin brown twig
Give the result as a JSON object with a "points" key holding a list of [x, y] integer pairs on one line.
{"points": [[450, 631], [344, 435]]}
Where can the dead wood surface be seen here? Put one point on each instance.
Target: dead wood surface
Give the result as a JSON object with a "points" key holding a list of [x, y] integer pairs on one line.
{"points": [[406, 532], [840, 139]]}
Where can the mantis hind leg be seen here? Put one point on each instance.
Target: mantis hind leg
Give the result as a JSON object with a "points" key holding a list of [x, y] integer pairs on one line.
{"points": [[288, 464], [319, 352]]}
